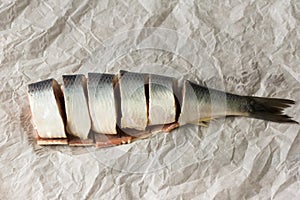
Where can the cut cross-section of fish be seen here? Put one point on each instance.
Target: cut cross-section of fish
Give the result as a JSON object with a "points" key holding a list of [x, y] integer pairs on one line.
{"points": [[133, 100], [162, 107], [46, 103], [102, 102], [190, 104], [78, 118]]}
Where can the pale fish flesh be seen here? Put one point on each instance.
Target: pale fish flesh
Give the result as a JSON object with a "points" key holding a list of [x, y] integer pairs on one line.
{"points": [[75, 95], [46, 103], [162, 106], [102, 103], [133, 100]]}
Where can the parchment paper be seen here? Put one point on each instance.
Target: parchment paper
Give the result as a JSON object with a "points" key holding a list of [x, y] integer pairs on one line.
{"points": [[248, 48]]}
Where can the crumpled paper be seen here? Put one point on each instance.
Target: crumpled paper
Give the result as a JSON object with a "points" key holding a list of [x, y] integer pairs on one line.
{"points": [[248, 48]]}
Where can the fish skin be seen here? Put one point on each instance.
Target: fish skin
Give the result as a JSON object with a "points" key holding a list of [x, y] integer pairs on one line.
{"points": [[133, 100], [202, 104], [162, 107], [102, 103], [46, 103], [75, 95], [194, 104], [199, 104]]}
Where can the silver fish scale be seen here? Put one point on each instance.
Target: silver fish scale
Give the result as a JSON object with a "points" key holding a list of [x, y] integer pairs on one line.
{"points": [[102, 102], [40, 86], [162, 108], [135, 91], [133, 100], [70, 80], [95, 79], [78, 119], [45, 102], [230, 102]]}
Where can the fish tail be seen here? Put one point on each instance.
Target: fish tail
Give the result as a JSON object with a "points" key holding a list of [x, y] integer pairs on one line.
{"points": [[270, 109]]}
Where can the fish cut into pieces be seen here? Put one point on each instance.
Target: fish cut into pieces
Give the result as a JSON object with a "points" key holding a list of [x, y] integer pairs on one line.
{"points": [[162, 106], [75, 95], [133, 100], [46, 103], [126, 107], [102, 103]]}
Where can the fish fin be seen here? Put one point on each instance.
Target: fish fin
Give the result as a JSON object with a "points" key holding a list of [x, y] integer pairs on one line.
{"points": [[200, 123], [143, 136], [270, 109], [203, 121], [204, 124]]}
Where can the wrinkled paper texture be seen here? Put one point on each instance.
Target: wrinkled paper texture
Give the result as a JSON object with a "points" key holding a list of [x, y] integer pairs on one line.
{"points": [[244, 47]]}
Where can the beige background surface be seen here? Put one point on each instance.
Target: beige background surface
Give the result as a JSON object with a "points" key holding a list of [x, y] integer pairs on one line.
{"points": [[248, 47]]}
